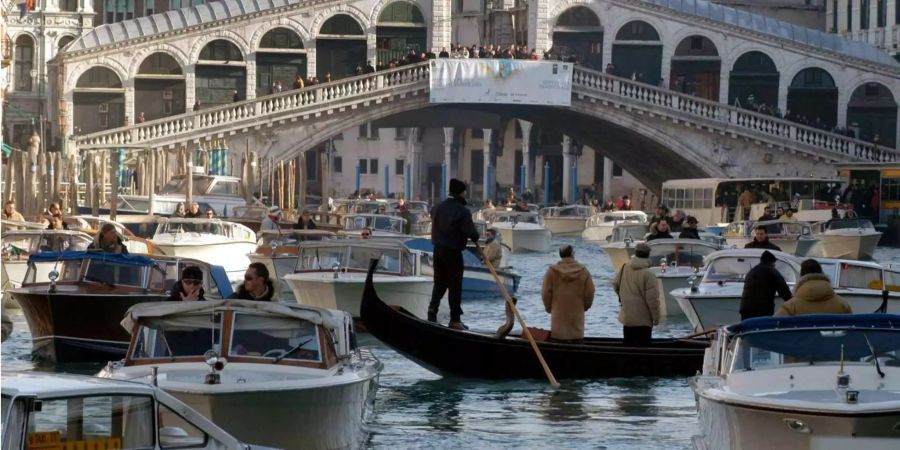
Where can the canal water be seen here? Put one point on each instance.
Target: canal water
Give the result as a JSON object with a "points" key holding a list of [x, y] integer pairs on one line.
{"points": [[415, 408]]}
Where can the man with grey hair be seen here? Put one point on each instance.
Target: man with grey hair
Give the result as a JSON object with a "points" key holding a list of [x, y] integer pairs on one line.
{"points": [[567, 292]]}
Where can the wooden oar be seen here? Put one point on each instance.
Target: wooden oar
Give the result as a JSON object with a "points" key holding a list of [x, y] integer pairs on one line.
{"points": [[697, 334], [509, 302]]}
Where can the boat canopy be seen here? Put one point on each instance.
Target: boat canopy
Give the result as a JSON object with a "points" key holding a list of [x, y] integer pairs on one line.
{"points": [[567, 211], [470, 259], [680, 252], [733, 264], [130, 260], [374, 222], [518, 217], [817, 321], [842, 224], [625, 230]]}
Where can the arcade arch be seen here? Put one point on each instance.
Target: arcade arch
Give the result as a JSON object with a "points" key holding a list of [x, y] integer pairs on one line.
{"points": [[159, 87], [812, 98], [401, 27], [579, 34], [753, 81], [340, 47], [279, 58], [696, 66], [219, 73], [872, 114], [99, 101], [637, 52]]}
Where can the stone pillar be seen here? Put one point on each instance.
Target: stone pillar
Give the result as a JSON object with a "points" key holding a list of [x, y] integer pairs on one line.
{"points": [[567, 168], [526, 149], [784, 83], [371, 50], [607, 179], [190, 86], [856, 13], [311, 60], [724, 72], [842, 102], [129, 101], [250, 88], [411, 138], [448, 142], [842, 15], [539, 26], [440, 24], [487, 161], [891, 14]]}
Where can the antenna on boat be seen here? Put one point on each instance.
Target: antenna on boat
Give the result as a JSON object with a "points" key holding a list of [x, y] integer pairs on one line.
{"points": [[842, 359]]}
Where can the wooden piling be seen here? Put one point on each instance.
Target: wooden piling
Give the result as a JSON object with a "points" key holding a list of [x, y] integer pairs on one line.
{"points": [[190, 179], [151, 155], [10, 173]]}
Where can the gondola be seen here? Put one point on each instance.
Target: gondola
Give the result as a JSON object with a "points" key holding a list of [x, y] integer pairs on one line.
{"points": [[450, 352]]}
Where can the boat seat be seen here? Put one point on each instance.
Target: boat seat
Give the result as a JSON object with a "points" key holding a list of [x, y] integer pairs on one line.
{"points": [[264, 250], [287, 250]]}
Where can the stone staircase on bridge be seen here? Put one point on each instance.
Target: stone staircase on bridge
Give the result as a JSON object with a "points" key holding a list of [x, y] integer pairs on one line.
{"points": [[372, 91]]}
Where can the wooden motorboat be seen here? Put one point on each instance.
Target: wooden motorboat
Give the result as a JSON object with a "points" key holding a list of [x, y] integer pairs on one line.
{"points": [[278, 250], [19, 245], [450, 352], [279, 375], [212, 240], [599, 226], [73, 301], [791, 237]]}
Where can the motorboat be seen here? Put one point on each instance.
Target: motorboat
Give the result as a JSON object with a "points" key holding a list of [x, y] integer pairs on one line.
{"points": [[278, 250], [92, 224], [804, 382], [73, 301], [331, 274], [282, 376], [8, 225], [674, 262], [867, 286], [846, 239], [212, 240], [478, 282], [249, 216], [19, 245], [600, 225], [621, 243], [216, 192], [379, 225], [790, 236], [522, 232], [716, 301], [61, 411], [566, 220]]}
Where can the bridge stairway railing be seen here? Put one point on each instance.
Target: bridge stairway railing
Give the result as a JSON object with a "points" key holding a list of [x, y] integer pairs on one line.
{"points": [[723, 118]]}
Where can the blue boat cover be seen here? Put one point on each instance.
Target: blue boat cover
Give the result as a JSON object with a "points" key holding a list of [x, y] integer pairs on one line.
{"points": [[132, 260], [882, 321], [218, 276], [470, 259]]}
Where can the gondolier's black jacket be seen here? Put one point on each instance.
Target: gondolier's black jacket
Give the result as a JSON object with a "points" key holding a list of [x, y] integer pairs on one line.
{"points": [[451, 224]]}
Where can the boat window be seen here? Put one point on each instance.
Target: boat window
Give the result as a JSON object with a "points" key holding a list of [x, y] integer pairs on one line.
{"points": [[388, 259], [389, 224], [229, 188], [176, 432], [182, 336], [843, 224], [763, 350], [194, 226], [321, 258], [892, 280], [678, 254], [354, 223], [863, 277], [116, 421], [734, 269], [163, 276], [18, 245], [40, 271], [106, 272], [274, 337]]}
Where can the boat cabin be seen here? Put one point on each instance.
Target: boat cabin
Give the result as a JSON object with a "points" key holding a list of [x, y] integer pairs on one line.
{"points": [[854, 274], [615, 217], [730, 266], [19, 244], [567, 211], [860, 223], [628, 232], [242, 331], [675, 253], [181, 226], [513, 217], [352, 255], [774, 228], [379, 224], [57, 411]]}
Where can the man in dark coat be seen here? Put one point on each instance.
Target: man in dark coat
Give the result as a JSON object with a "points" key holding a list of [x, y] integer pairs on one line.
{"points": [[760, 286], [761, 239], [189, 287], [451, 228]]}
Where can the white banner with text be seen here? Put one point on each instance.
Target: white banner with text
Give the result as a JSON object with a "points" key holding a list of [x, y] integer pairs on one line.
{"points": [[501, 81]]}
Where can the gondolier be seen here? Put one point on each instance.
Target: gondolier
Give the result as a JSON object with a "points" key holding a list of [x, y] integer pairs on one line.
{"points": [[451, 228]]}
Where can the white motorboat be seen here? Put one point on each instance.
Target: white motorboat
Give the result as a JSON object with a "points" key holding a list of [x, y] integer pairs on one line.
{"points": [[716, 301], [478, 282], [217, 192], [283, 376], [566, 220], [278, 250], [210, 240], [846, 239], [59, 411], [91, 225], [804, 382], [379, 225], [620, 246], [332, 274], [864, 284], [674, 262], [599, 226], [18, 245], [522, 232], [791, 237]]}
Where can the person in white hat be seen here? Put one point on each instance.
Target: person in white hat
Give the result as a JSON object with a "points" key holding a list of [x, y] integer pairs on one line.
{"points": [[270, 222]]}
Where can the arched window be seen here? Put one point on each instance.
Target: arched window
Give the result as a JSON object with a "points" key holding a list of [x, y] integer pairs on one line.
{"points": [[401, 13], [160, 63], [63, 42], [813, 78], [637, 30], [99, 77], [872, 114], [812, 98], [68, 5], [579, 16], [282, 38], [754, 82], [637, 53], [401, 28], [24, 62], [696, 67], [221, 50], [341, 24]]}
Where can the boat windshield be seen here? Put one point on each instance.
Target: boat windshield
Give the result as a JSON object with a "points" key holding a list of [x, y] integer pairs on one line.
{"points": [[844, 224], [178, 336], [859, 276], [519, 218], [23, 244], [786, 228], [195, 226], [274, 337], [354, 257], [93, 421], [249, 212], [178, 185], [289, 238], [681, 255], [110, 273], [734, 268], [377, 223], [635, 232], [770, 349], [39, 272]]}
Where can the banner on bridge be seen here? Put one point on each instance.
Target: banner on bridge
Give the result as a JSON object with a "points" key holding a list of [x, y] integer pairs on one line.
{"points": [[506, 81]]}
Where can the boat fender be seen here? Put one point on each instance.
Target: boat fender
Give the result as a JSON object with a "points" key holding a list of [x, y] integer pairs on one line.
{"points": [[507, 326]]}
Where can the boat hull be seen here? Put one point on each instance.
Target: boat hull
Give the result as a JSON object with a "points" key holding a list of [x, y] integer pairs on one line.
{"points": [[846, 246], [322, 290], [597, 233], [618, 255], [668, 283], [232, 256], [565, 226], [78, 328], [525, 240]]}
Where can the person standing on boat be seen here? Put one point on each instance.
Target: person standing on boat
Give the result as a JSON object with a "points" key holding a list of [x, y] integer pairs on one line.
{"points": [[190, 287], [761, 284], [813, 294], [108, 240], [493, 251], [305, 222], [10, 213], [638, 298], [567, 292], [408, 217], [689, 229], [270, 222], [179, 211], [194, 213], [761, 239], [256, 285], [660, 231], [451, 228], [661, 215]]}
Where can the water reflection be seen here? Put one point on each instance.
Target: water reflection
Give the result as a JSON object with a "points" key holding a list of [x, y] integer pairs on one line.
{"points": [[565, 404], [441, 399], [637, 398]]}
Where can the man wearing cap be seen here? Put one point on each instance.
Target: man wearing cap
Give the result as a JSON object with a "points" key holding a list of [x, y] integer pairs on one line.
{"points": [[451, 228], [189, 287], [689, 229], [638, 298], [761, 284], [270, 222], [492, 249]]}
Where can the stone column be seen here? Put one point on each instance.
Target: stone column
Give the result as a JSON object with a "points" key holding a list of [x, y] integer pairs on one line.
{"points": [[250, 87], [311, 60], [784, 83], [567, 167], [440, 24], [842, 103], [607, 179], [891, 13], [526, 149], [448, 142], [856, 13], [411, 138], [539, 26], [487, 161], [371, 50], [190, 86], [129, 101]]}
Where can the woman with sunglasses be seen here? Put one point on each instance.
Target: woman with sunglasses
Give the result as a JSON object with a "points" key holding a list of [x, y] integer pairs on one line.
{"points": [[256, 285], [189, 287]]}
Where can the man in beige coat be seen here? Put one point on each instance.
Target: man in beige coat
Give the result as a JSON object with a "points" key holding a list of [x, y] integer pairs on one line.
{"points": [[638, 298], [568, 292], [813, 294]]}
